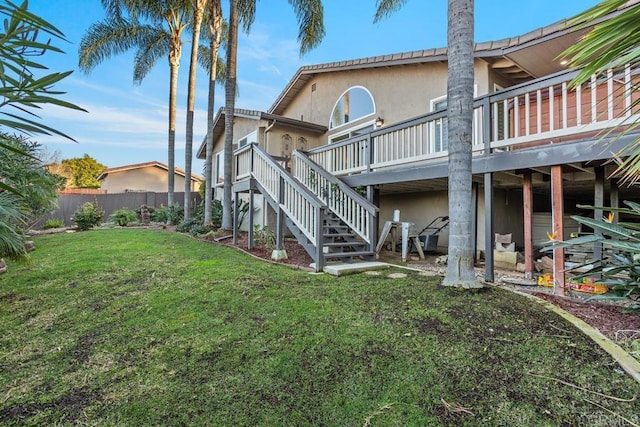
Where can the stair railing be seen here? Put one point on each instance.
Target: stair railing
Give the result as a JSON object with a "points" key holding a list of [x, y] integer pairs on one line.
{"points": [[302, 207], [356, 211]]}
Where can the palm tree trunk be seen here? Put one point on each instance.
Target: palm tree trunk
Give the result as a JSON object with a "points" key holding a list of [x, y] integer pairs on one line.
{"points": [[229, 108], [460, 271], [198, 14], [171, 161], [215, 20]]}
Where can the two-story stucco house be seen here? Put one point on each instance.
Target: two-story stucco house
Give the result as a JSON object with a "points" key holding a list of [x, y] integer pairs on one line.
{"points": [[346, 144]]}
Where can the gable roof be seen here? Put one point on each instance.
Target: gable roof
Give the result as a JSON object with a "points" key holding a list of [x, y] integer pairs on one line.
{"points": [[519, 58], [154, 163], [218, 124]]}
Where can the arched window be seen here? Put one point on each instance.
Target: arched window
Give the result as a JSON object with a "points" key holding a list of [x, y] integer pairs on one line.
{"points": [[354, 104]]}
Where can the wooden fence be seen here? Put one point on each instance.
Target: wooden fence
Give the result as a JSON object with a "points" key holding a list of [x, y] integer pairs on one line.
{"points": [[69, 203]]}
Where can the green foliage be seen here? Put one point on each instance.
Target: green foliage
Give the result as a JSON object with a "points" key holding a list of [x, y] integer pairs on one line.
{"points": [[23, 170], [620, 267], [175, 214], [53, 223], [88, 216], [611, 43], [24, 86], [264, 237], [123, 217], [84, 171], [216, 213], [193, 226], [31, 192], [158, 215], [12, 221]]}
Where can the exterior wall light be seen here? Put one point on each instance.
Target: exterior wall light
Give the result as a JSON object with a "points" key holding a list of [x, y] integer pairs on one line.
{"points": [[379, 122]]}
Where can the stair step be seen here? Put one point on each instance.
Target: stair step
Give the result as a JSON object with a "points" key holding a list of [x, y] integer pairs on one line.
{"points": [[341, 244], [338, 234], [348, 254], [336, 226]]}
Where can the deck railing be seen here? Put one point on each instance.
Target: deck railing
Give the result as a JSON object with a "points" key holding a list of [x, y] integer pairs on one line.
{"points": [[356, 211], [543, 111], [297, 202]]}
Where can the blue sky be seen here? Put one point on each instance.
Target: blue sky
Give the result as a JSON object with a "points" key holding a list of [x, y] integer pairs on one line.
{"points": [[128, 124]]}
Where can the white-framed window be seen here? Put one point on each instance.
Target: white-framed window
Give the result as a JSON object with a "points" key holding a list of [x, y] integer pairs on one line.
{"points": [[219, 172], [354, 104], [349, 133], [251, 138], [440, 128]]}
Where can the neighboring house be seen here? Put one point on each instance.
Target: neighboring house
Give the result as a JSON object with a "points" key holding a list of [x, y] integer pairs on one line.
{"points": [[378, 126], [150, 177]]}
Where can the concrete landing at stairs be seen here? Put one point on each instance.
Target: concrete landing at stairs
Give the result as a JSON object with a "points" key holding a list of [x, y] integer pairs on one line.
{"points": [[343, 268]]}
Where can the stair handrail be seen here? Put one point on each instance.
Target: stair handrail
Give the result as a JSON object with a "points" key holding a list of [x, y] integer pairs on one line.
{"points": [[287, 193], [356, 211]]}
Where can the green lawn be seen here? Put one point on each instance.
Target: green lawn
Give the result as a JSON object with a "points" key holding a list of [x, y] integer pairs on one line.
{"points": [[140, 327]]}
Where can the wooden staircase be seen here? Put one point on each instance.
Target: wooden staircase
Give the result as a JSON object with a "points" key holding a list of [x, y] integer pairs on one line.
{"points": [[329, 219]]}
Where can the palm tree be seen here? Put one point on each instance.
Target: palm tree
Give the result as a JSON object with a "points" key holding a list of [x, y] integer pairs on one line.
{"points": [[214, 18], [161, 37], [610, 44], [198, 15], [310, 16], [229, 107], [460, 271]]}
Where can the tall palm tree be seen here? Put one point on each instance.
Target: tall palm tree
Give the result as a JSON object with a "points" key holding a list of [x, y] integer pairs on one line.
{"points": [[198, 15], [229, 108], [610, 44], [122, 30], [214, 19], [460, 271], [310, 17]]}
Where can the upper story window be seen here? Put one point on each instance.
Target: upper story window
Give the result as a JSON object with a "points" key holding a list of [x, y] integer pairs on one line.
{"points": [[354, 104]]}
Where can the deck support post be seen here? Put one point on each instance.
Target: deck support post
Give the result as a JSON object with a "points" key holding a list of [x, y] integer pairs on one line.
{"points": [[598, 200], [557, 212], [488, 228], [251, 202], [527, 197], [235, 218], [474, 221], [279, 252], [614, 200]]}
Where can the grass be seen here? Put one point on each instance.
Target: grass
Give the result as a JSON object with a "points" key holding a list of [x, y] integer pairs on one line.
{"points": [[139, 327]]}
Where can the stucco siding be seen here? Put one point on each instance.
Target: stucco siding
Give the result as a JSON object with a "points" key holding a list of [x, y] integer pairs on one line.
{"points": [[144, 179]]}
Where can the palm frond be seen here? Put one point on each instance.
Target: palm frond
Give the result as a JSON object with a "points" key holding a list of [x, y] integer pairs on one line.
{"points": [[385, 8], [310, 15]]}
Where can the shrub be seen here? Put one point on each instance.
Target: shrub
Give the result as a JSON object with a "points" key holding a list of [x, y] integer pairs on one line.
{"points": [[159, 215], [88, 216], [620, 266], [193, 226], [264, 237], [53, 223], [123, 217], [175, 213], [216, 213]]}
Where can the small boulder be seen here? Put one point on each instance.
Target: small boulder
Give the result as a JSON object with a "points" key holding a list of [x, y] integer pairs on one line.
{"points": [[3, 266], [30, 246]]}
